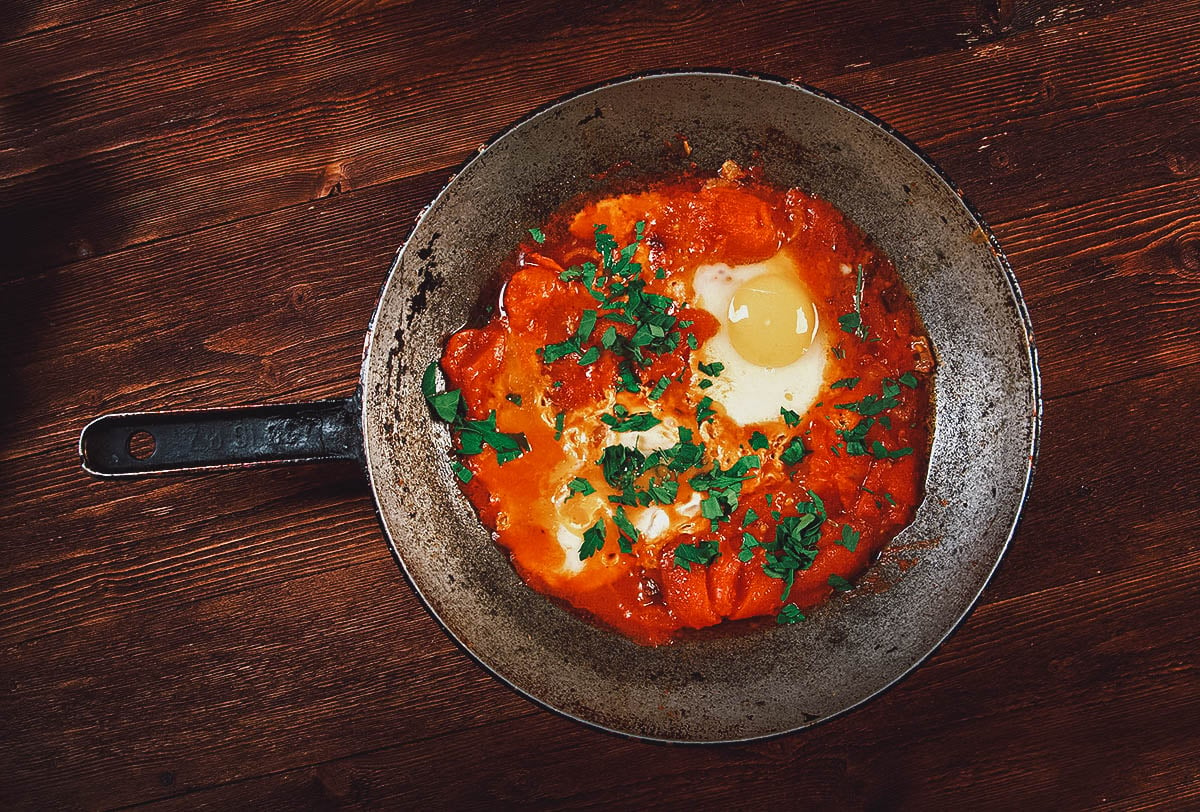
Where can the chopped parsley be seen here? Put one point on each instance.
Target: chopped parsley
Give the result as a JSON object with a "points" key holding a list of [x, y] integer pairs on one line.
{"points": [[882, 453], [537, 235], [461, 471], [704, 411], [794, 547], [580, 485], [870, 405], [759, 441], [909, 380], [794, 452], [593, 540], [638, 421], [472, 435], [750, 518], [663, 492], [513, 399], [840, 584], [621, 465], [849, 538], [790, 613], [789, 417], [714, 369], [559, 420], [702, 552], [627, 534], [660, 387], [853, 322], [845, 383]]}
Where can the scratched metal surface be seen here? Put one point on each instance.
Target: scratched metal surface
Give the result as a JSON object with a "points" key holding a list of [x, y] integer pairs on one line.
{"points": [[774, 680]]}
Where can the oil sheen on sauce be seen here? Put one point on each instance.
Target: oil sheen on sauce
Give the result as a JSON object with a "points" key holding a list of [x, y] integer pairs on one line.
{"points": [[796, 344]]}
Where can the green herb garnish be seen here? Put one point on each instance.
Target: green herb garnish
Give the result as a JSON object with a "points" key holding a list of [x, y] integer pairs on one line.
{"points": [[627, 534], [593, 540], [702, 552], [790, 613], [840, 584], [580, 485], [794, 452], [849, 538], [638, 421], [852, 322]]}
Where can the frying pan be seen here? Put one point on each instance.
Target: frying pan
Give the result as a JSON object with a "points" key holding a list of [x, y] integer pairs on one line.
{"points": [[717, 688]]}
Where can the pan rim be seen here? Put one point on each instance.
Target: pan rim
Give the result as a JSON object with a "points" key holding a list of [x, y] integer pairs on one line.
{"points": [[1030, 356]]}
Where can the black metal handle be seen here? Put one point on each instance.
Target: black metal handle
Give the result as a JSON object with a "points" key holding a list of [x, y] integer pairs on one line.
{"points": [[139, 443]]}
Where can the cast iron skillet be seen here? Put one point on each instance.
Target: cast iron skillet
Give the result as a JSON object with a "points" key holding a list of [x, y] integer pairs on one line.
{"points": [[723, 687]]}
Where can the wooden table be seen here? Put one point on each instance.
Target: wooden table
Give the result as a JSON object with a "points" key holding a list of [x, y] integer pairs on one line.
{"points": [[199, 202]]}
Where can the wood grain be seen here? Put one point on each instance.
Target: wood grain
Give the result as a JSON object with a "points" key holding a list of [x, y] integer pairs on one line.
{"points": [[199, 202]]}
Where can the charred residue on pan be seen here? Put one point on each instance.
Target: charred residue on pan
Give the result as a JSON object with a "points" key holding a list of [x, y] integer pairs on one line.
{"points": [[592, 116], [430, 280]]}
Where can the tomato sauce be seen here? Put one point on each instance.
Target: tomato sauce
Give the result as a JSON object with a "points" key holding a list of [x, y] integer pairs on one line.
{"points": [[645, 593]]}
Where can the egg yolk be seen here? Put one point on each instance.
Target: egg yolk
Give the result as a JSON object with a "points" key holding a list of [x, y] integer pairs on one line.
{"points": [[772, 320]]}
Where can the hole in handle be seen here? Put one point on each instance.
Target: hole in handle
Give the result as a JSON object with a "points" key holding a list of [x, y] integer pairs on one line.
{"points": [[141, 445]]}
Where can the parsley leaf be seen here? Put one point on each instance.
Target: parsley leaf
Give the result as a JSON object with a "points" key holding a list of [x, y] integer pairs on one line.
{"points": [[840, 584], [628, 534], [849, 538], [789, 417], [663, 492], [621, 465], [461, 471], [638, 421], [702, 552], [845, 383], [447, 404], [759, 441], [714, 369], [593, 540], [559, 420], [909, 380], [511, 398], [790, 613], [794, 452], [580, 485], [537, 235], [429, 380]]}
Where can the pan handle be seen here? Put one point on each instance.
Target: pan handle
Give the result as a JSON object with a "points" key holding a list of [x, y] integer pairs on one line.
{"points": [[140, 443]]}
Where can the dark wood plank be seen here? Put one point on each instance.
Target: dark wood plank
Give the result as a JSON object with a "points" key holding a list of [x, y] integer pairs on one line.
{"points": [[22, 18], [211, 145], [1110, 647]]}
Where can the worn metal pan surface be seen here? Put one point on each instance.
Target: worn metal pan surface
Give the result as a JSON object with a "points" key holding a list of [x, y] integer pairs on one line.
{"points": [[724, 687]]}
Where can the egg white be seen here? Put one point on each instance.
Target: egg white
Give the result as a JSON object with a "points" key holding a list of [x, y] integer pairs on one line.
{"points": [[748, 392]]}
